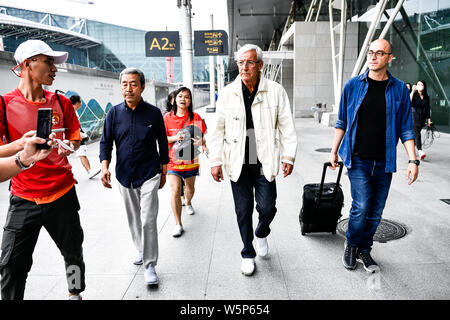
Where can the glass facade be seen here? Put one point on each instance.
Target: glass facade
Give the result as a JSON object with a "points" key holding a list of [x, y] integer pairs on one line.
{"points": [[76, 56], [121, 47], [420, 38]]}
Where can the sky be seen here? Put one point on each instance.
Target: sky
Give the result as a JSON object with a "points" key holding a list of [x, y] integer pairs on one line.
{"points": [[147, 15]]}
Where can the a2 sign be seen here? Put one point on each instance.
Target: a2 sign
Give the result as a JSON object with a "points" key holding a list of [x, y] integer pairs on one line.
{"points": [[167, 43]]}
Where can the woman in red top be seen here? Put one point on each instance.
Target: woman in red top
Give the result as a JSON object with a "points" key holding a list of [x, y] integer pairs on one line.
{"points": [[185, 130]]}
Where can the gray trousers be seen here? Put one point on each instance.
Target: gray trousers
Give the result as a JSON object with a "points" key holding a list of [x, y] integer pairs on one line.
{"points": [[141, 205]]}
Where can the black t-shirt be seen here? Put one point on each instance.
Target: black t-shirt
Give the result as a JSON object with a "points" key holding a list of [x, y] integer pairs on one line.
{"points": [[250, 140], [370, 142]]}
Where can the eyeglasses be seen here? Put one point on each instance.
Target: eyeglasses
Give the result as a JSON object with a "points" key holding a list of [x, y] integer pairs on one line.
{"points": [[17, 70], [250, 63], [378, 54]]}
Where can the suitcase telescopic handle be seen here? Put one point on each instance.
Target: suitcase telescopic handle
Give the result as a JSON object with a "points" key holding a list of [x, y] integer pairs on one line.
{"points": [[325, 166]]}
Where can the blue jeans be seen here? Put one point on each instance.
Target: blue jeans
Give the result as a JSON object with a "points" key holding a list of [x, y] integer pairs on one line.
{"points": [[369, 188], [265, 196]]}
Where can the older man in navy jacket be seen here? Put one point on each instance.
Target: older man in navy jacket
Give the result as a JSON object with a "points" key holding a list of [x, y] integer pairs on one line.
{"points": [[136, 127], [374, 112]]}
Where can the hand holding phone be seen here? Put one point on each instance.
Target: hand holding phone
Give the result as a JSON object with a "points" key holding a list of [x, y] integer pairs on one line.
{"points": [[44, 126]]}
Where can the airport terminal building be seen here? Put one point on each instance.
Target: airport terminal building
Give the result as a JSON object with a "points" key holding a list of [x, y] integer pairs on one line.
{"points": [[112, 47], [98, 52], [312, 47]]}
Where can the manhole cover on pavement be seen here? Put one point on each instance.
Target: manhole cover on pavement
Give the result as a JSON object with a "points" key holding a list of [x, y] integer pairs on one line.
{"points": [[327, 150], [387, 230]]}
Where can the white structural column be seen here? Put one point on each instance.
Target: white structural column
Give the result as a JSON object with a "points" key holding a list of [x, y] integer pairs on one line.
{"points": [[212, 88], [338, 68], [343, 32], [314, 6], [333, 55], [318, 11], [186, 42]]}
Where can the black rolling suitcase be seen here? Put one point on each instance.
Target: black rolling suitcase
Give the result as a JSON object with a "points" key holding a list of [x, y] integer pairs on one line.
{"points": [[322, 204]]}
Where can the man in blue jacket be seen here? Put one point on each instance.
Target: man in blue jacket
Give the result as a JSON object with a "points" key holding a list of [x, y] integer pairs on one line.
{"points": [[374, 112], [138, 131]]}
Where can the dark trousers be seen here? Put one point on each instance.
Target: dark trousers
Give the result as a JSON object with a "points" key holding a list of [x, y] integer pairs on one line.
{"points": [[23, 224], [265, 194], [418, 139]]}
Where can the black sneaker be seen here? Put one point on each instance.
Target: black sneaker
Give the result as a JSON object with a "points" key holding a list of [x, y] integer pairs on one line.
{"points": [[369, 264], [349, 257]]}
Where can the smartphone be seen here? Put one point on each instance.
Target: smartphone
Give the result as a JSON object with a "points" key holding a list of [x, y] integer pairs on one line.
{"points": [[44, 126]]}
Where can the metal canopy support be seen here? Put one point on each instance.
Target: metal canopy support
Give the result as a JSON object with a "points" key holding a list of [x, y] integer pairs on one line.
{"points": [[47, 18], [338, 68], [432, 73], [13, 26], [315, 5], [318, 11], [82, 26], [272, 71], [379, 9], [386, 28], [407, 46]]}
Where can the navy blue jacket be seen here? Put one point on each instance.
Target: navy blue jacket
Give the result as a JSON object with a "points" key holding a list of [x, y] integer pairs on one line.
{"points": [[135, 133], [399, 122]]}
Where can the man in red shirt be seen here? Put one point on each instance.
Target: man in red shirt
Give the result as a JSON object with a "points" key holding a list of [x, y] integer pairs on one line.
{"points": [[43, 194]]}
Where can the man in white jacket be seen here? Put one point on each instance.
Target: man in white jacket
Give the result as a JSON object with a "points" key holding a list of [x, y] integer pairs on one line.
{"points": [[253, 126]]}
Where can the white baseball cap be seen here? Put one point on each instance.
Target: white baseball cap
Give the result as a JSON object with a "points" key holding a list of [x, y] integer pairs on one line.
{"points": [[31, 48]]}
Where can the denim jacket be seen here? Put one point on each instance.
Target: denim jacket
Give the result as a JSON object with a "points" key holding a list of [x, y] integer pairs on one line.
{"points": [[399, 122]]}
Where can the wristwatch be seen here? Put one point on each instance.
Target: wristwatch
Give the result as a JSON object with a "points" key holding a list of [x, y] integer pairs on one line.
{"points": [[417, 162], [20, 164]]}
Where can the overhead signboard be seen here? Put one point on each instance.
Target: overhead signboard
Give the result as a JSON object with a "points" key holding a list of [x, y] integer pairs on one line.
{"points": [[162, 44], [210, 43]]}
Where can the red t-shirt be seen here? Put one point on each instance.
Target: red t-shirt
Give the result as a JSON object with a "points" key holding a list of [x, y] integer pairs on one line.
{"points": [[54, 173], [174, 124]]}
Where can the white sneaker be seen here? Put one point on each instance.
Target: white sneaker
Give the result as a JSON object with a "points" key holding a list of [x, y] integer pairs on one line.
{"points": [[139, 259], [177, 230], [75, 297], [190, 210], [422, 155], [150, 276], [262, 247], [93, 173], [247, 266]]}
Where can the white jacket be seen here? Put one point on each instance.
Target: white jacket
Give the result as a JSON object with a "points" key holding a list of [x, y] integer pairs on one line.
{"points": [[273, 125]]}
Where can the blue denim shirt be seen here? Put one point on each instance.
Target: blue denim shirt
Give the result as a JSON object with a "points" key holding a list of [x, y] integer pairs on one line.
{"points": [[399, 122], [140, 139]]}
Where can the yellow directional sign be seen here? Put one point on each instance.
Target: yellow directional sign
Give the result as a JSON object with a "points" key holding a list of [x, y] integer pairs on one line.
{"points": [[162, 44], [210, 43]]}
